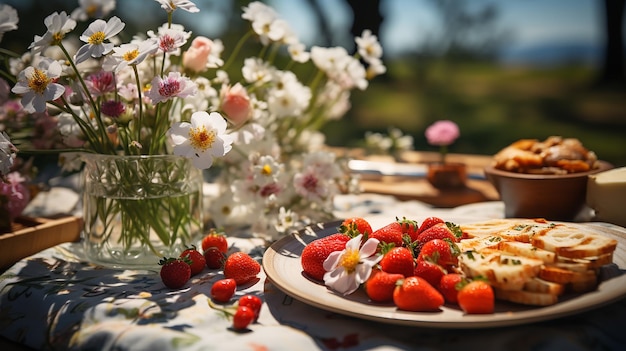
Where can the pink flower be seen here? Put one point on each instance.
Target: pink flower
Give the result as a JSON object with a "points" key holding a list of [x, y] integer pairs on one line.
{"points": [[100, 83], [112, 108], [174, 85], [442, 133], [197, 56], [235, 103]]}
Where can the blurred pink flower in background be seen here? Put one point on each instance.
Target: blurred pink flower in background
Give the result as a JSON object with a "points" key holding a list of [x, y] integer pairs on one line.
{"points": [[442, 133]]}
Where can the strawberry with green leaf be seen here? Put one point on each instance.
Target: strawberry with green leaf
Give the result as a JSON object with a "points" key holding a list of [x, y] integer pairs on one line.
{"points": [[197, 259], [416, 294], [390, 234], [397, 260]]}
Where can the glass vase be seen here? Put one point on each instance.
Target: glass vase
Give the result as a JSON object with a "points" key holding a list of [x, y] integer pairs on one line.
{"points": [[138, 209]]}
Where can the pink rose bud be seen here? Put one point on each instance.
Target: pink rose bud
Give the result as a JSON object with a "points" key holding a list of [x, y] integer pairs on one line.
{"points": [[235, 103], [197, 56]]}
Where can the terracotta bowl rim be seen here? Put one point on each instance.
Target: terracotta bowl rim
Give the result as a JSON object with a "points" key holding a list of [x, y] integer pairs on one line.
{"points": [[602, 166]]}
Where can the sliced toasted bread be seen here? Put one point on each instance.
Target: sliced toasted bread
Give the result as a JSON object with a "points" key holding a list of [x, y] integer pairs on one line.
{"points": [[543, 286], [486, 228], [524, 230], [479, 243], [565, 276], [502, 269], [583, 282], [526, 297], [590, 262], [527, 250], [572, 242]]}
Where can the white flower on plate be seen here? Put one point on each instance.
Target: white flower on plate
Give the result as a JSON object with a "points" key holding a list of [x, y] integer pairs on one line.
{"points": [[346, 270]]}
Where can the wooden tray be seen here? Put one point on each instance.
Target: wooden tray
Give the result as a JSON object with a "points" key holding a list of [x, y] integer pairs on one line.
{"points": [[31, 235]]}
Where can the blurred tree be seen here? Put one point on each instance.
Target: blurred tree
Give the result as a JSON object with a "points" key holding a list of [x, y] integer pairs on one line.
{"points": [[612, 72], [466, 33]]}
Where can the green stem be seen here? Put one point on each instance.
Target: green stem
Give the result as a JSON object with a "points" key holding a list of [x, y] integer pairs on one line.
{"points": [[140, 117], [238, 47], [103, 133]]}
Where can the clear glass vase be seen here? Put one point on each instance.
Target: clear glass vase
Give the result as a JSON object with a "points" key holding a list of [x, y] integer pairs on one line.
{"points": [[138, 209]]}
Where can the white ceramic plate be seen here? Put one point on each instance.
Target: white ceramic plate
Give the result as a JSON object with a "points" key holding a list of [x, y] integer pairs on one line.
{"points": [[281, 263]]}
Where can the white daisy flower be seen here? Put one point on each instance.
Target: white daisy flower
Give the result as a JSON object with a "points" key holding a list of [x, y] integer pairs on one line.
{"points": [[298, 52], [36, 85], [172, 5], [368, 46], [58, 24], [93, 9], [201, 139], [346, 270], [8, 19], [95, 36], [132, 54]]}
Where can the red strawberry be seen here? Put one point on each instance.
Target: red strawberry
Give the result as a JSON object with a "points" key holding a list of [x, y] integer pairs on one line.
{"points": [[215, 238], [389, 234], [223, 290], [315, 253], [476, 297], [197, 259], [214, 258], [252, 301], [448, 286], [398, 260], [358, 224], [380, 285], [430, 271], [241, 267], [440, 231], [416, 294], [409, 227], [175, 272], [243, 317], [429, 222], [442, 252]]}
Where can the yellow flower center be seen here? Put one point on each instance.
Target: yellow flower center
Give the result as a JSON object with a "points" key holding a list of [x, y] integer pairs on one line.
{"points": [[91, 11], [266, 170], [130, 55], [201, 138], [57, 38], [96, 38], [38, 82], [350, 259]]}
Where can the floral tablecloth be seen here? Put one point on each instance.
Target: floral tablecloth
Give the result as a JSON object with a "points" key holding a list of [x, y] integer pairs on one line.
{"points": [[54, 300]]}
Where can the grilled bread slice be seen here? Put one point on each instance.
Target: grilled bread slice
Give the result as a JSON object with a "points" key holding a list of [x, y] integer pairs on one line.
{"points": [[503, 270], [526, 297], [539, 285], [573, 242], [527, 250]]}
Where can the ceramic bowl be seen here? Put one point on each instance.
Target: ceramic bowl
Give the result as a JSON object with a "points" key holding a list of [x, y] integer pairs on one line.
{"points": [[553, 197]]}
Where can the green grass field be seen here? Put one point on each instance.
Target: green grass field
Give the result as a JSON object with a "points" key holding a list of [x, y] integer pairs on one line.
{"points": [[493, 106]]}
